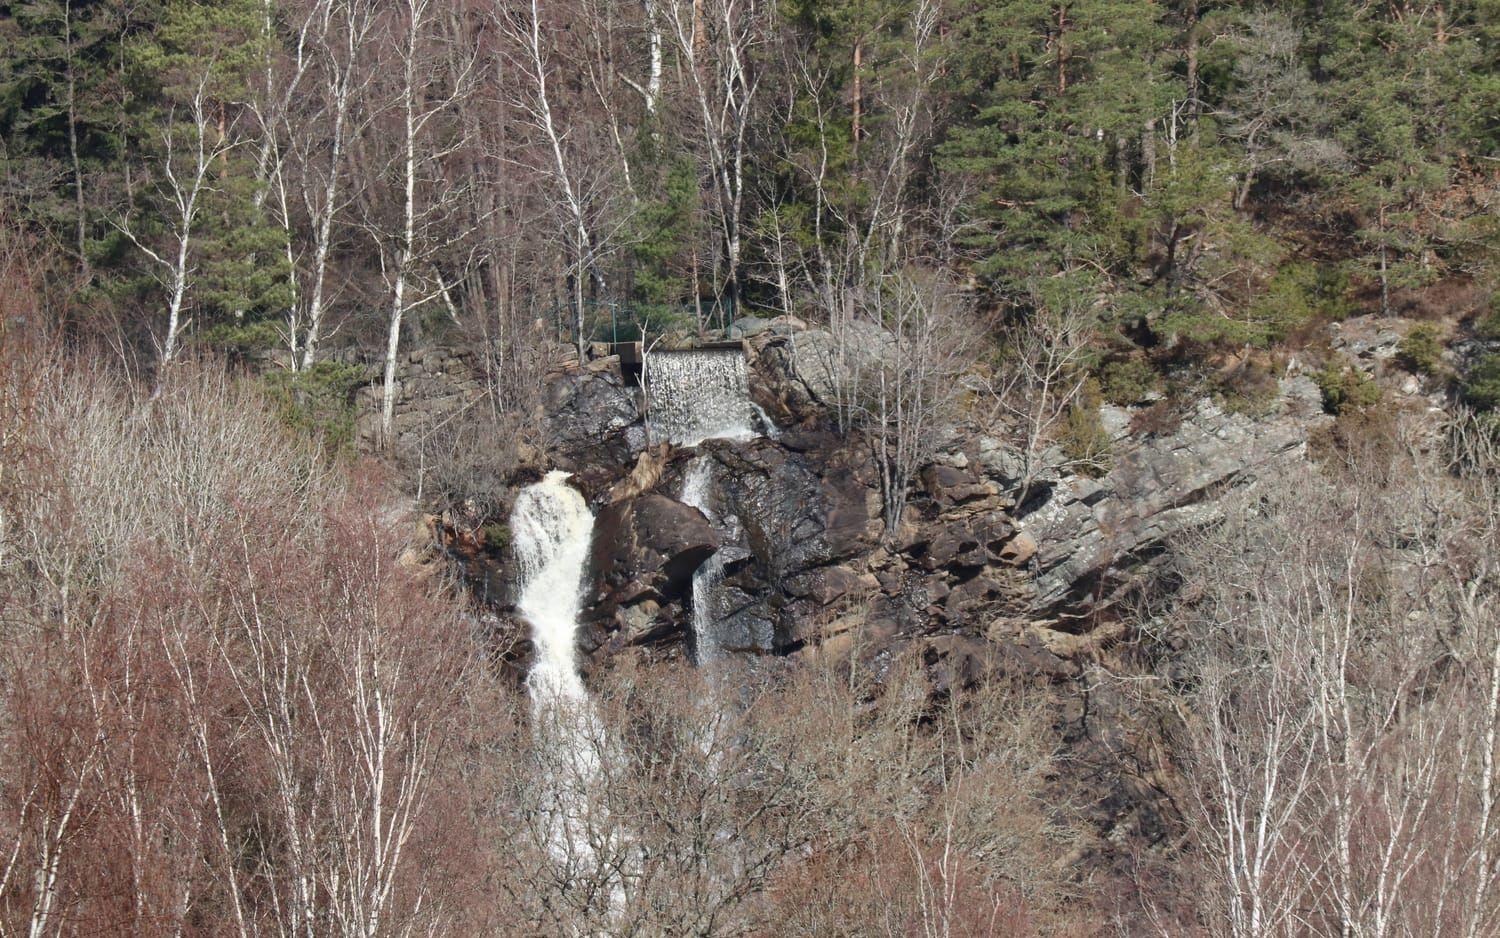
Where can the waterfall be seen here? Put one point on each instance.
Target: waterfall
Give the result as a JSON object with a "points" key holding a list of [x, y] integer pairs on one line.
{"points": [[766, 426], [699, 395], [551, 528], [697, 488]]}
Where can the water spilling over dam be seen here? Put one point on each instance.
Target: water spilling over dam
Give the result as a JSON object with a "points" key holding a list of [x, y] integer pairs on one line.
{"points": [[700, 394]]}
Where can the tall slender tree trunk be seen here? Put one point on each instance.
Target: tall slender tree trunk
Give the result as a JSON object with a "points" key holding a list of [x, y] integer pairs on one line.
{"points": [[1385, 279], [408, 231], [79, 209], [328, 208], [1062, 48], [1486, 797], [653, 40], [1192, 60], [858, 97], [175, 301], [1148, 155]]}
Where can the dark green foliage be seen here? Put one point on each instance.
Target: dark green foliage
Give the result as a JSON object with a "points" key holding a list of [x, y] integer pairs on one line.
{"points": [[63, 117], [1248, 389], [244, 338], [1083, 438], [1488, 325], [1054, 97], [666, 231], [1129, 381], [1346, 388], [496, 535], [318, 401], [1300, 292], [1420, 349], [1481, 386]]}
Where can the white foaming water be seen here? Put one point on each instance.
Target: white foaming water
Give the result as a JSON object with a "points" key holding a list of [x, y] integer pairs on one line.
{"points": [[765, 421], [552, 527], [701, 394], [697, 486]]}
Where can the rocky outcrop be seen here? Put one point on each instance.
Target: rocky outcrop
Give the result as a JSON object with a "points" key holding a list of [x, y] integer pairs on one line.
{"points": [[1095, 536], [644, 553], [798, 516], [791, 509], [593, 417], [971, 585]]}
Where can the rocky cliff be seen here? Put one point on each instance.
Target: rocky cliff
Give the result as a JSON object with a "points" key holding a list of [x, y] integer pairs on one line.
{"points": [[974, 585]]}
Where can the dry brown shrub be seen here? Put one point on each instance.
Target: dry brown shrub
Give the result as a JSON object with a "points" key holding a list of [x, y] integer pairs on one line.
{"points": [[1336, 693], [226, 708]]}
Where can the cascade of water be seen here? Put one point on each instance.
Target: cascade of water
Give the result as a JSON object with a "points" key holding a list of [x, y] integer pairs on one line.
{"points": [[765, 421], [552, 527], [697, 488], [699, 395]]}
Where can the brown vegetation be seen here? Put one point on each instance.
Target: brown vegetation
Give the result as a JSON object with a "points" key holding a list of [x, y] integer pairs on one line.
{"points": [[1336, 697], [227, 709]]}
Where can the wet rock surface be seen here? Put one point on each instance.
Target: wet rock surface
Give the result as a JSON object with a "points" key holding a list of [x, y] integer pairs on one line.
{"points": [[798, 516], [648, 548], [592, 416]]}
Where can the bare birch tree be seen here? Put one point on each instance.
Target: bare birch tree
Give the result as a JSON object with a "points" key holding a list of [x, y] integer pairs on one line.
{"points": [[428, 86], [1042, 375], [908, 397], [588, 190], [192, 143], [336, 46], [717, 42], [1340, 725]]}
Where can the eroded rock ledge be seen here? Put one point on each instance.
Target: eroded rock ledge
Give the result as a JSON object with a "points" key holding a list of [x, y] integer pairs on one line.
{"points": [[799, 527]]}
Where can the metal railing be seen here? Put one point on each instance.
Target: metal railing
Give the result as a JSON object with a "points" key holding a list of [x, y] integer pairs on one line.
{"points": [[616, 322]]}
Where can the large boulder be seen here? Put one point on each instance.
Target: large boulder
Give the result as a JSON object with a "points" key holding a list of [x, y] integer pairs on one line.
{"points": [[802, 374], [792, 510], [647, 548]]}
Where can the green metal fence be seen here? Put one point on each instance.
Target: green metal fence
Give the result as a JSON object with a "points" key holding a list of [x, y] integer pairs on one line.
{"points": [[608, 321]]}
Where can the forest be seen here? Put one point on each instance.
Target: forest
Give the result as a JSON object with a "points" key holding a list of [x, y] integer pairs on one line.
{"points": [[1184, 314]]}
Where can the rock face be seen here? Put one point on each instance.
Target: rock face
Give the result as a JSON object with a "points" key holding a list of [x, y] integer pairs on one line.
{"points": [[790, 515], [971, 585], [802, 365], [644, 553], [593, 417], [797, 517], [1093, 534]]}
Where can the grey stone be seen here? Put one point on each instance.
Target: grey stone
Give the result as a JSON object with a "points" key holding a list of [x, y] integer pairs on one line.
{"points": [[1090, 533]]}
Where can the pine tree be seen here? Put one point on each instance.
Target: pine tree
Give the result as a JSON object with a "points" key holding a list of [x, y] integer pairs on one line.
{"points": [[60, 116], [212, 51], [1056, 99], [1401, 121]]}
